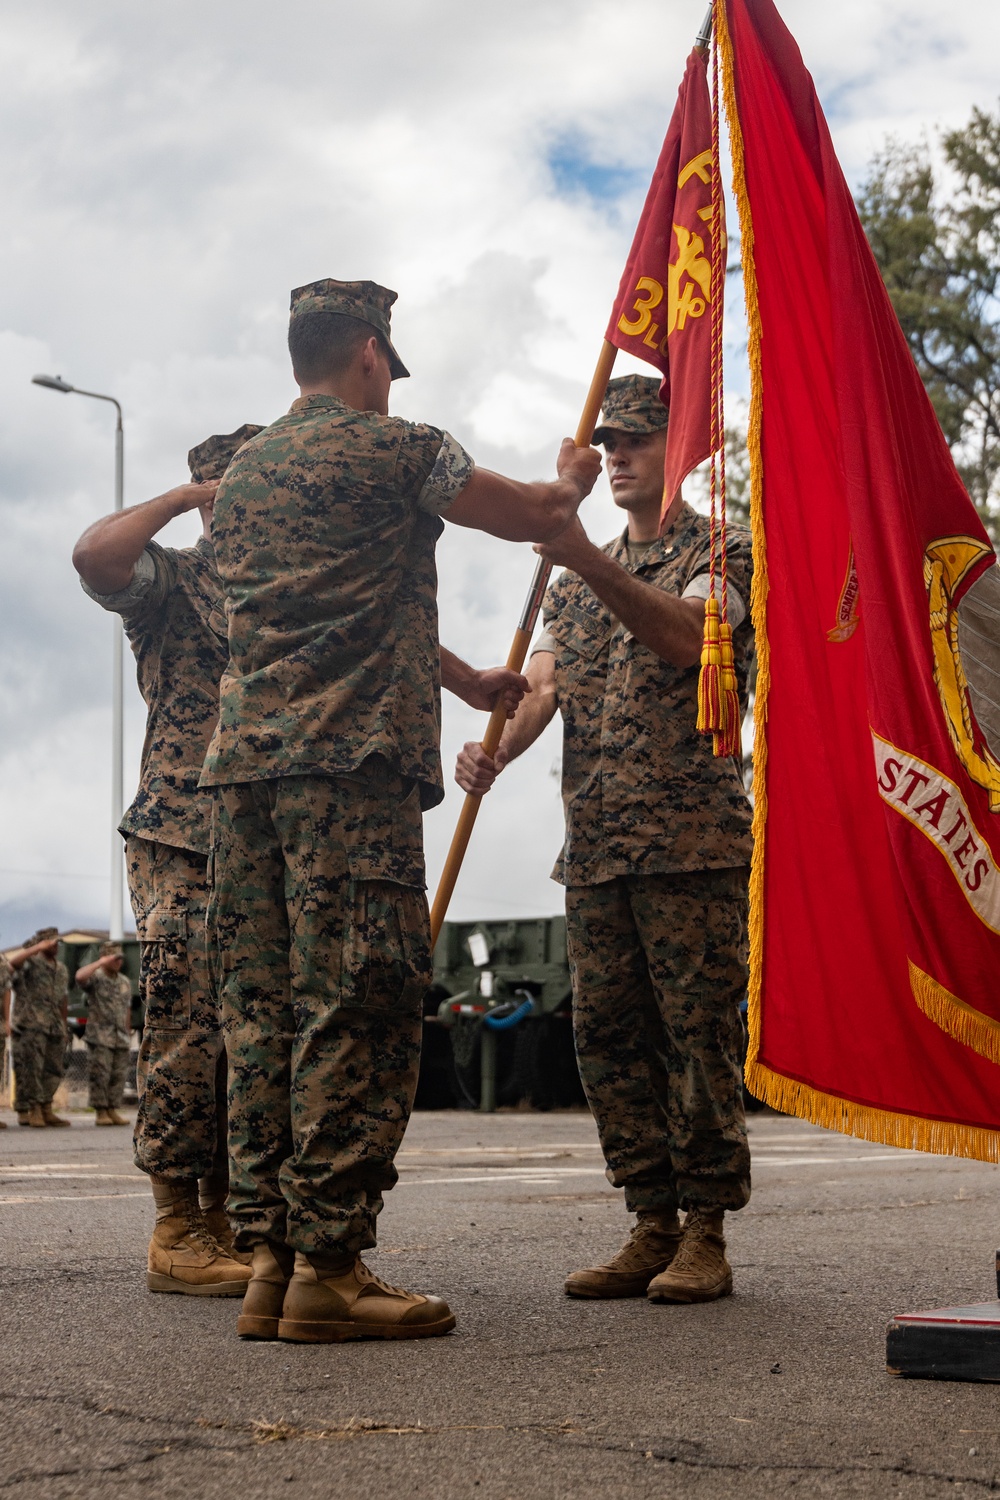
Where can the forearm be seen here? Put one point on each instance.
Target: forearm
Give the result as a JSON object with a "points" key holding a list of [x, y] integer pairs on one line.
{"points": [[669, 626], [19, 957], [456, 675], [513, 510], [475, 771], [534, 714], [107, 552]]}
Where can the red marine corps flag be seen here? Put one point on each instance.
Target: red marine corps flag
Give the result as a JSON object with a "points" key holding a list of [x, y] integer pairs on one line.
{"points": [[875, 923], [663, 311]]}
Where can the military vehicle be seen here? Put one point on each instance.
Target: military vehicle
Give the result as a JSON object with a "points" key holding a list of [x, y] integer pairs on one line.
{"points": [[497, 1019]]}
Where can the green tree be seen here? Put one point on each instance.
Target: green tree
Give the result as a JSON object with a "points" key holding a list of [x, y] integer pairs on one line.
{"points": [[737, 476], [933, 221]]}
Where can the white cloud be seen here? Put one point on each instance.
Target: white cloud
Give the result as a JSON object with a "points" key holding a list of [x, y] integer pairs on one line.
{"points": [[169, 173]]}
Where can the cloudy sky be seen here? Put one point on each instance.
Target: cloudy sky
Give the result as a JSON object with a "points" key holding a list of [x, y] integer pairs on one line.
{"points": [[169, 172]]}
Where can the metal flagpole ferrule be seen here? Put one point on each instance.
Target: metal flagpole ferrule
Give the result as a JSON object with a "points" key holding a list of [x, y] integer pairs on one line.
{"points": [[533, 603]]}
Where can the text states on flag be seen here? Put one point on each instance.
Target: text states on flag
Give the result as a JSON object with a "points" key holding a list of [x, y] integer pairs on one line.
{"points": [[926, 798]]}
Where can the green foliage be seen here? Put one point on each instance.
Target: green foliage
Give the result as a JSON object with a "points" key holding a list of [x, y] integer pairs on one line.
{"points": [[934, 226]]}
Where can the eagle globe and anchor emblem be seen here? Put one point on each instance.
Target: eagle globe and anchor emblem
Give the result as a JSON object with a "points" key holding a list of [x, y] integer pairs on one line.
{"points": [[965, 635]]}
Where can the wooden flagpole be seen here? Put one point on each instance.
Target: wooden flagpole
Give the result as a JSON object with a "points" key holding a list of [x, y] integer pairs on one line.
{"points": [[516, 658]]}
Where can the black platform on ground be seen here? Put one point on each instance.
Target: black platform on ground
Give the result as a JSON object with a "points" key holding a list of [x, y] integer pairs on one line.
{"points": [[947, 1343]]}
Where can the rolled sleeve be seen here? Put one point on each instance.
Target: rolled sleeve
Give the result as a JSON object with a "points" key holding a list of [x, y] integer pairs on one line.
{"points": [[546, 642], [453, 468], [135, 596], [701, 588]]}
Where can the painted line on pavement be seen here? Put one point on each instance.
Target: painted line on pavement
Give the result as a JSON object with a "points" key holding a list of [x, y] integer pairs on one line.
{"points": [[27, 1175], [71, 1198]]}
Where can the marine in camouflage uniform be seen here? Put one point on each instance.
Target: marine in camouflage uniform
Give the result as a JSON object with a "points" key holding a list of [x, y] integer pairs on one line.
{"points": [[172, 607], [325, 755], [39, 1035], [109, 1031], [655, 863]]}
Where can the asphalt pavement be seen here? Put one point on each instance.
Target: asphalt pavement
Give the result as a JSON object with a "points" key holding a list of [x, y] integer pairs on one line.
{"points": [[111, 1392]]}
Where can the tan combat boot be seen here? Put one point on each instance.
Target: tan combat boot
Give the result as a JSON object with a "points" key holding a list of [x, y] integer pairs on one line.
{"points": [[24, 1117], [36, 1117], [331, 1299], [652, 1245], [49, 1117], [700, 1271], [212, 1194], [183, 1256], [103, 1117], [116, 1119], [265, 1294]]}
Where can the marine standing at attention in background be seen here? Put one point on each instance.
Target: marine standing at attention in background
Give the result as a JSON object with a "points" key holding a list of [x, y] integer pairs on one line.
{"points": [[39, 1034], [170, 600], [326, 752], [655, 861], [109, 1031]]}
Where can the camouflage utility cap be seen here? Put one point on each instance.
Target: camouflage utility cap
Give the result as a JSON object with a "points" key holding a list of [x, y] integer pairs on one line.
{"points": [[211, 459], [632, 404], [43, 935], [111, 950], [364, 300]]}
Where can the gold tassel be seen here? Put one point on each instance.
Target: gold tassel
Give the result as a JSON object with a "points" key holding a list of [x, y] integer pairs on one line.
{"points": [[710, 678], [726, 739]]}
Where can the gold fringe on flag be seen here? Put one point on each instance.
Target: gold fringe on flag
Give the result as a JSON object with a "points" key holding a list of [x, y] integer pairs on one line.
{"points": [[954, 1016], [883, 1127]]}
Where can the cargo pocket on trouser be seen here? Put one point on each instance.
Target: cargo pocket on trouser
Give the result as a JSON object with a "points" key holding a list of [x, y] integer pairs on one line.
{"points": [[165, 971], [386, 956], [386, 972]]}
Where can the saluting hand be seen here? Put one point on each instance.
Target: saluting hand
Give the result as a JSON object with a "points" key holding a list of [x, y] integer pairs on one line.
{"points": [[187, 497]]}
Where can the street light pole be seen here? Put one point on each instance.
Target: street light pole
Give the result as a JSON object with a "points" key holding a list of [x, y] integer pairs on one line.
{"points": [[116, 916]]}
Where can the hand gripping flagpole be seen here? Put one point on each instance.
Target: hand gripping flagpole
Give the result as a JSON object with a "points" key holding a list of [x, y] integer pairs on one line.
{"points": [[515, 660]]}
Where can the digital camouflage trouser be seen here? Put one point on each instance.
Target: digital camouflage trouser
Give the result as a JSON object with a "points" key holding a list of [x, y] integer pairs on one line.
{"points": [[180, 1129], [659, 968], [107, 1069], [324, 958], [39, 1058]]}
